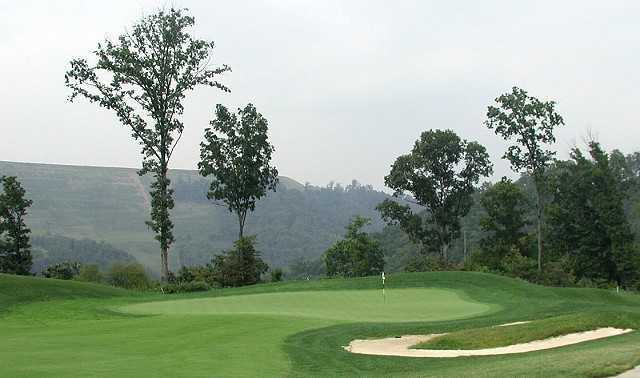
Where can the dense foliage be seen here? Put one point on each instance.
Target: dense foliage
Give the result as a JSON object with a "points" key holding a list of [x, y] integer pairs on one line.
{"points": [[530, 124], [15, 248], [147, 73], [62, 271], [440, 173], [587, 220], [236, 153], [356, 255], [503, 223]]}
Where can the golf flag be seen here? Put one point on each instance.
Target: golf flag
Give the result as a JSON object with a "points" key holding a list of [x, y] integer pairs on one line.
{"points": [[382, 278]]}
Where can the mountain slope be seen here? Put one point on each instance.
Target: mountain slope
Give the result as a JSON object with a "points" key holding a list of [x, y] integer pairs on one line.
{"points": [[112, 205]]}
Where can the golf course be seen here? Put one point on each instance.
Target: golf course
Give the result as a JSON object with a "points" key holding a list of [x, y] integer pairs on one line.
{"points": [[61, 328]]}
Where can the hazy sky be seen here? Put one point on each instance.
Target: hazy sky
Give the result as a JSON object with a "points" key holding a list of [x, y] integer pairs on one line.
{"points": [[347, 86]]}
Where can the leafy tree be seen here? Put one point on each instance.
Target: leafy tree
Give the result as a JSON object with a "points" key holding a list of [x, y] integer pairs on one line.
{"points": [[15, 249], [356, 255], [239, 266], [588, 222], [143, 78], [441, 174], [529, 123], [237, 153], [504, 222]]}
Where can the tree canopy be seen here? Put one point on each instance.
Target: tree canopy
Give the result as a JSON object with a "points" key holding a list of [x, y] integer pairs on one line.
{"points": [[236, 153], [587, 218], [529, 124], [440, 173], [143, 77]]}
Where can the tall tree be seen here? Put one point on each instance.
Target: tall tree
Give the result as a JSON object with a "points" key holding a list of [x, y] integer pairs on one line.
{"points": [[441, 174], [237, 153], [504, 221], [15, 250], [529, 123], [143, 78], [588, 220]]}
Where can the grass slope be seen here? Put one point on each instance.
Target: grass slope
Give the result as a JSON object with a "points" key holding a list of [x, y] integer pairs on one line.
{"points": [[86, 336]]}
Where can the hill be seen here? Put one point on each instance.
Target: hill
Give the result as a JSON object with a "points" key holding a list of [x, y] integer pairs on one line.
{"points": [[112, 205]]}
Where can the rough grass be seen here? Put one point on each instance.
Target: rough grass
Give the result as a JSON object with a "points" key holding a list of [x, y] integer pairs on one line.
{"points": [[60, 329], [493, 337]]}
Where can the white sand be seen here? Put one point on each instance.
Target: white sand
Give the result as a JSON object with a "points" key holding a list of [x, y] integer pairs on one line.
{"points": [[399, 346]]}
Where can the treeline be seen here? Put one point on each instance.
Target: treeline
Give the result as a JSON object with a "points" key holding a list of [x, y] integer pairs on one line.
{"points": [[564, 223]]}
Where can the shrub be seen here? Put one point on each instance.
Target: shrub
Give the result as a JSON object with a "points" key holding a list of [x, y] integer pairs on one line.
{"points": [[62, 271], [90, 273], [239, 266], [184, 287], [129, 276], [276, 275]]}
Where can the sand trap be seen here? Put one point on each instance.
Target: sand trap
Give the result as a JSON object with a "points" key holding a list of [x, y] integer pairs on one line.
{"points": [[399, 346]]}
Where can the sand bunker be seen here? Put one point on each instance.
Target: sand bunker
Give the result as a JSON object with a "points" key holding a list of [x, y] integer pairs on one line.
{"points": [[400, 346]]}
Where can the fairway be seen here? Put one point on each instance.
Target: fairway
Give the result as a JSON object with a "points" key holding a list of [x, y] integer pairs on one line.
{"points": [[399, 305], [298, 329]]}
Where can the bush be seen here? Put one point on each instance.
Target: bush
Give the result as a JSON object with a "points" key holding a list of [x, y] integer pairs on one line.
{"points": [[239, 266], [90, 273], [63, 271], [184, 287], [129, 276], [514, 264], [276, 275]]}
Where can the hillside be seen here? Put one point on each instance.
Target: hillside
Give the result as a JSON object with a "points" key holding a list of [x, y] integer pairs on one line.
{"points": [[112, 204]]}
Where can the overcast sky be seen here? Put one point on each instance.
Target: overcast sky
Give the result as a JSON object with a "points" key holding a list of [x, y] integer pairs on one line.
{"points": [[347, 86]]}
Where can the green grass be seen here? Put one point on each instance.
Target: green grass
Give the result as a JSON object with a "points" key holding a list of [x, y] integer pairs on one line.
{"points": [[350, 305], [60, 329], [493, 337]]}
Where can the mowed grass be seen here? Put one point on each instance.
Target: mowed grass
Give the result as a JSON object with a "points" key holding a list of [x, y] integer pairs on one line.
{"points": [[296, 328], [399, 305]]}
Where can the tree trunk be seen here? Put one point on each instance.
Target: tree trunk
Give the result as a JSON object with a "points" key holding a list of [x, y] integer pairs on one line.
{"points": [[539, 226], [164, 215], [164, 257], [241, 219]]}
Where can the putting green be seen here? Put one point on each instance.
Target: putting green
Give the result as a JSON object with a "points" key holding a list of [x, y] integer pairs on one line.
{"points": [[397, 305]]}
